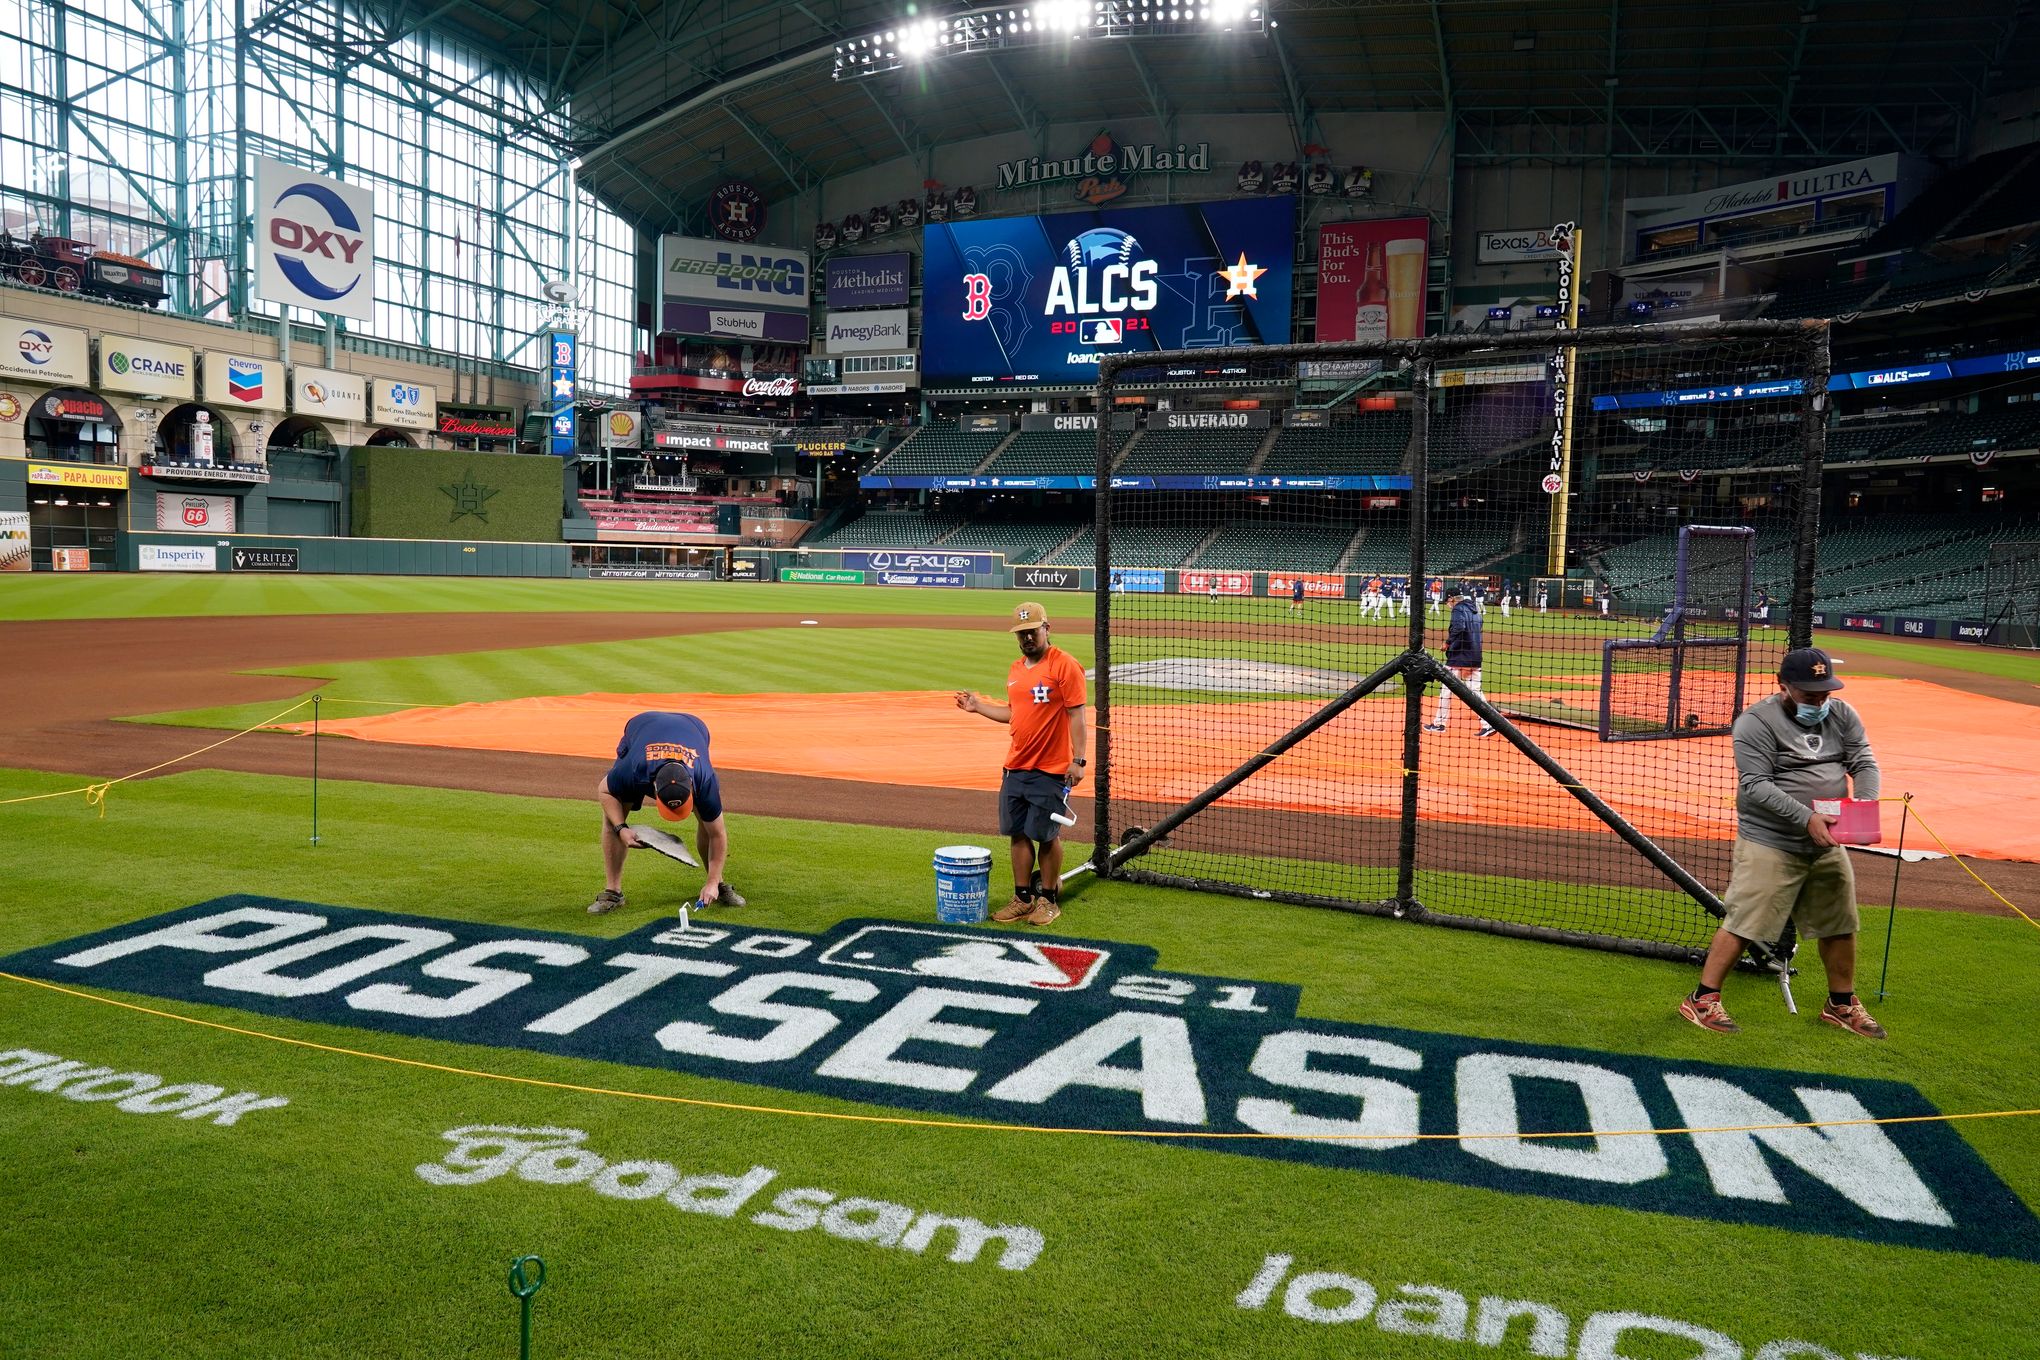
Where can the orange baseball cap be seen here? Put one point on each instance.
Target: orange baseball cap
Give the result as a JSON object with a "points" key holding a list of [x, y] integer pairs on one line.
{"points": [[673, 791], [1027, 616]]}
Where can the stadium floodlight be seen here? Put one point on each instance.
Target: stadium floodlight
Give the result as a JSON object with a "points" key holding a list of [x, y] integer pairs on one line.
{"points": [[1060, 16]]}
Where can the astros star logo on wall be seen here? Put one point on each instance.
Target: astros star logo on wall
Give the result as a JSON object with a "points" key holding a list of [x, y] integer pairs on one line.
{"points": [[469, 497]]}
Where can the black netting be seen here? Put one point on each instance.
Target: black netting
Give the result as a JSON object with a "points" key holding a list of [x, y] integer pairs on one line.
{"points": [[1273, 644]]}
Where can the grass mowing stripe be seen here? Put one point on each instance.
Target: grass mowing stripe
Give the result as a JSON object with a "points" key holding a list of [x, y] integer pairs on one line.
{"points": [[791, 660], [1147, 1244]]}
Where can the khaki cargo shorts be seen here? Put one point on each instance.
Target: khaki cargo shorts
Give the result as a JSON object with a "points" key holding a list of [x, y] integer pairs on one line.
{"points": [[1766, 887]]}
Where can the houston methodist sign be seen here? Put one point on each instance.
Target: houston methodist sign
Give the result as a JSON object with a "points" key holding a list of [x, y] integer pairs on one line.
{"points": [[1067, 1033], [314, 241]]}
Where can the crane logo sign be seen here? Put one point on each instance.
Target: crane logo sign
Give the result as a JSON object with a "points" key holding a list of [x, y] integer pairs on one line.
{"points": [[314, 241]]}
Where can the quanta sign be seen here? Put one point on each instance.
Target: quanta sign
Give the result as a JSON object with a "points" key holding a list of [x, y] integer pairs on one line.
{"points": [[1064, 1032]]}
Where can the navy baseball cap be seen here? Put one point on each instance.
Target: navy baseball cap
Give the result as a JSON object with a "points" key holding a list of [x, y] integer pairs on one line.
{"points": [[673, 790], [1810, 669]]}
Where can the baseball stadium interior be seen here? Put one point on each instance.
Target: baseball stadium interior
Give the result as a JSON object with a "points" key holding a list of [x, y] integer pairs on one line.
{"points": [[1428, 428], [836, 407]]}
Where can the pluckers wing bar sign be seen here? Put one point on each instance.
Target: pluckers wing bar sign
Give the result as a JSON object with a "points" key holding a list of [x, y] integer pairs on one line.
{"points": [[484, 422]]}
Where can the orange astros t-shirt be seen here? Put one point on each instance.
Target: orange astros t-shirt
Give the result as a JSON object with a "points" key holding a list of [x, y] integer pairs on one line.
{"points": [[1041, 697]]}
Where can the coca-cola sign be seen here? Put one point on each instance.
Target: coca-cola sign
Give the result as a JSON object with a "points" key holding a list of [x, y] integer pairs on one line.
{"points": [[771, 387]]}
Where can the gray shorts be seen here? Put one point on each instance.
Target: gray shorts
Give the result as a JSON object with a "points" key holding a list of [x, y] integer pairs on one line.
{"points": [[1026, 798], [1767, 887]]}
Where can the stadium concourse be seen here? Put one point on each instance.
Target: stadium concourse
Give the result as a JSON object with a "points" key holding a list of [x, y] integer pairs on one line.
{"points": [[1432, 431]]}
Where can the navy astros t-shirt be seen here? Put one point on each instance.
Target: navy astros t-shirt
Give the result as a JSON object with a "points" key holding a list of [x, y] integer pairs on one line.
{"points": [[652, 739]]}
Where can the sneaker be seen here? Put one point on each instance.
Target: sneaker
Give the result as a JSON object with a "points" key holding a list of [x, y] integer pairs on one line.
{"points": [[729, 896], [1434, 727], [1852, 1018], [606, 901], [1485, 731], [1045, 911], [1020, 906], [1708, 1013]]}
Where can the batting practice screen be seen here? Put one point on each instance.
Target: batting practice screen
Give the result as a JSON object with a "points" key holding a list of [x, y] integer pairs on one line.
{"points": [[1404, 665]]}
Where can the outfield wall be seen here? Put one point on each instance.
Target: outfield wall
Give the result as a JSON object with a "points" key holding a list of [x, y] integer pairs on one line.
{"points": [[444, 494], [267, 554]]}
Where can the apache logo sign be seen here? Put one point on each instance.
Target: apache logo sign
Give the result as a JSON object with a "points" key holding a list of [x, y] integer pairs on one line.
{"points": [[1066, 1033], [314, 241]]}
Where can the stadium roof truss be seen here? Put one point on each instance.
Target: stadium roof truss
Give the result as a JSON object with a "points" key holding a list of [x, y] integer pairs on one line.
{"points": [[663, 99]]}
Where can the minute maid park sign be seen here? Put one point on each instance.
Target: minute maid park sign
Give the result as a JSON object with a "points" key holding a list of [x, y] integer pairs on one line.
{"points": [[1035, 1030]]}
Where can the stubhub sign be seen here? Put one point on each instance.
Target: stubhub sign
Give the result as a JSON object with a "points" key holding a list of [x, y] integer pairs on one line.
{"points": [[1059, 1032]]}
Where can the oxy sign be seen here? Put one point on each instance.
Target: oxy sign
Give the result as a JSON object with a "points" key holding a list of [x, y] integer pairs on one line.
{"points": [[314, 241], [42, 353], [1063, 1032]]}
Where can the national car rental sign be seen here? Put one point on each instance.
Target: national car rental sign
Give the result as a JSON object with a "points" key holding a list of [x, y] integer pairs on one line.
{"points": [[314, 241]]}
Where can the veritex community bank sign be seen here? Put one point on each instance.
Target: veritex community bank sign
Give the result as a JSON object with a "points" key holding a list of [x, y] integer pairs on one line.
{"points": [[1070, 1033]]}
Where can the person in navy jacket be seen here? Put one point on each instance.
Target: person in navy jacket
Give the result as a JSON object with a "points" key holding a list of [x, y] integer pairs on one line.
{"points": [[1462, 654]]}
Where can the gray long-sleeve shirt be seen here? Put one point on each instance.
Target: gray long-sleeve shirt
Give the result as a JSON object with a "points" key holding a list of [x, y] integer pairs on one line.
{"points": [[1782, 766]]}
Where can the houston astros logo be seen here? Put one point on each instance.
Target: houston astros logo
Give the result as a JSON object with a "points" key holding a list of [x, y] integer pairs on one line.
{"points": [[469, 498], [1040, 693]]}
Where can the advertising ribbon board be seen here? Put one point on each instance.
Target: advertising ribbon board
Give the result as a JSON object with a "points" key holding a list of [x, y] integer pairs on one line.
{"points": [[825, 576]]}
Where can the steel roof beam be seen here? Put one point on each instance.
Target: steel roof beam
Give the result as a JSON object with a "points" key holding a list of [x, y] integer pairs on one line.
{"points": [[797, 171], [1302, 118], [915, 145], [1157, 99], [1032, 120]]}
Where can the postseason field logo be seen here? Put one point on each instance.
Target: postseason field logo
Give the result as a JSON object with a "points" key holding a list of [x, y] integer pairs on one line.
{"points": [[978, 1024]]}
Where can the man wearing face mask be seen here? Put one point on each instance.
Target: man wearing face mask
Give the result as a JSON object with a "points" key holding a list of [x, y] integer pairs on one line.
{"points": [[1044, 761], [1793, 749]]}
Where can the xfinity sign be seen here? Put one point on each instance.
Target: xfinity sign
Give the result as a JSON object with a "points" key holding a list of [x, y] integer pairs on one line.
{"points": [[314, 241]]}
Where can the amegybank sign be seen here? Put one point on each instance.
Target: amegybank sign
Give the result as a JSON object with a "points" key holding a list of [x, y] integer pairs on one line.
{"points": [[867, 332], [1073, 1033]]}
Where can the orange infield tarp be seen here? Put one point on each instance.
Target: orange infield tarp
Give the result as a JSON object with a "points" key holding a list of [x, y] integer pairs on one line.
{"points": [[1969, 760]]}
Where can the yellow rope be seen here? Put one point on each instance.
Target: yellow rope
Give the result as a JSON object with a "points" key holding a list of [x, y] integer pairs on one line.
{"points": [[1908, 800], [912, 1122], [95, 794]]}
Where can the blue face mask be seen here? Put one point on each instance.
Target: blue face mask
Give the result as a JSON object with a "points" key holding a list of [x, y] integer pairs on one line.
{"points": [[1811, 715]]}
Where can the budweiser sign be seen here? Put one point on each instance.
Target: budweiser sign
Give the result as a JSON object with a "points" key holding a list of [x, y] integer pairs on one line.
{"points": [[771, 387]]}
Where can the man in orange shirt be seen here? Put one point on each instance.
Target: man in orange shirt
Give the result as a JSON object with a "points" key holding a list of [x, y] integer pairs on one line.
{"points": [[1045, 708]]}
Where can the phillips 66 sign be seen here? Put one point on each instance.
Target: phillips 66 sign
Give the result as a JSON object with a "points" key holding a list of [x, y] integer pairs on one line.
{"points": [[314, 241]]}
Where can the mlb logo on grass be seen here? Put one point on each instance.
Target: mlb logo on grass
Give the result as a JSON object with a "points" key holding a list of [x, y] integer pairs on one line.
{"points": [[969, 956]]}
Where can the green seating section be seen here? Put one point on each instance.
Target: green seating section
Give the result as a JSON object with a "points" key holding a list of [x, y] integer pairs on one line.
{"points": [[1374, 442], [938, 450], [1193, 451]]}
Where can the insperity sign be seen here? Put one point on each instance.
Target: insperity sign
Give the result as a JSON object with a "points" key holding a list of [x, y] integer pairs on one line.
{"points": [[1036, 1029]]}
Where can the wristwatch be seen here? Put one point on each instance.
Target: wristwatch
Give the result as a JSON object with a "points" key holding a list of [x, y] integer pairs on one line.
{"points": [[1080, 762]]}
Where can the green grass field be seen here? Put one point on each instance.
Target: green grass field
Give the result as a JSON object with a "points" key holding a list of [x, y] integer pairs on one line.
{"points": [[308, 1230]]}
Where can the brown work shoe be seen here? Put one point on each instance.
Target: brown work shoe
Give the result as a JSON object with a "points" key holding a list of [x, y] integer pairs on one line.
{"points": [[1852, 1018], [1015, 909], [608, 900], [1707, 1012], [1045, 911]]}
